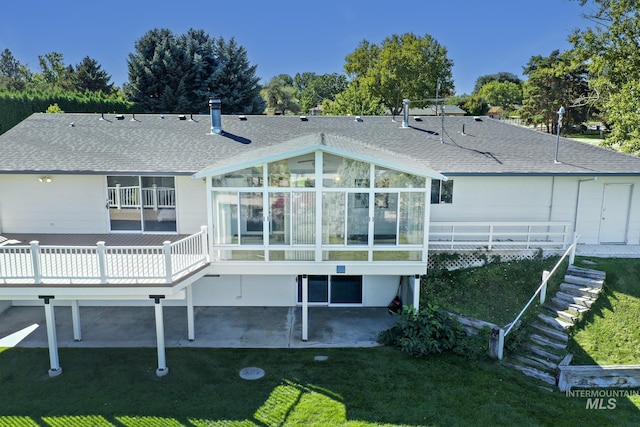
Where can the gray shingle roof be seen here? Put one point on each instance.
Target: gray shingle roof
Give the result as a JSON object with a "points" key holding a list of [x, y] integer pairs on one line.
{"points": [[150, 144]]}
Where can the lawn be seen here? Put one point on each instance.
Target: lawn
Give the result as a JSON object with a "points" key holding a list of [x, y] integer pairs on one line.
{"points": [[494, 293], [354, 387], [609, 334]]}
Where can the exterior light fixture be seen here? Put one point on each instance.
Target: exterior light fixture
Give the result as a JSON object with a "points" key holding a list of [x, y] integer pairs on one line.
{"points": [[45, 179]]}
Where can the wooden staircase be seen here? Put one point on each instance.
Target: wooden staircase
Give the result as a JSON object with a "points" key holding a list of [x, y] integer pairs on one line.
{"points": [[546, 345]]}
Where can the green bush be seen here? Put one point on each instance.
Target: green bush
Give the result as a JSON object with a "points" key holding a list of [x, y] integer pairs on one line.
{"points": [[430, 331]]}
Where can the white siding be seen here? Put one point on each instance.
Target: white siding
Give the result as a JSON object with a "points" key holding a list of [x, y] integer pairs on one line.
{"points": [[67, 204], [260, 291], [378, 291], [191, 200], [534, 199]]}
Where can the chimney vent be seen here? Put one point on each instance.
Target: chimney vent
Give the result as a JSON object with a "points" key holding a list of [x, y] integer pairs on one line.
{"points": [[215, 106], [405, 112]]}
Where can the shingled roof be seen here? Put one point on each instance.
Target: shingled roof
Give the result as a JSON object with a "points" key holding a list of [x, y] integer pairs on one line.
{"points": [[170, 144]]}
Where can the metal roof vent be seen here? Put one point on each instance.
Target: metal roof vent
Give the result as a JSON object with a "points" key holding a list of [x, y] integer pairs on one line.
{"points": [[120, 117], [405, 113], [417, 119], [215, 109], [477, 119], [304, 119], [242, 118], [182, 117], [358, 119]]}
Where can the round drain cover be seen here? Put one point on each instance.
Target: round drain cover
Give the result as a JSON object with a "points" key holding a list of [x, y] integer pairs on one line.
{"points": [[251, 373]]}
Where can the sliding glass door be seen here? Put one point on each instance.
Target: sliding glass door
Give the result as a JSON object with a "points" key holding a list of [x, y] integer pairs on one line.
{"points": [[142, 204]]}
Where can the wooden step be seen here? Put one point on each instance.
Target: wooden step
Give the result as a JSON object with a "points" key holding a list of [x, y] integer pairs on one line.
{"points": [[585, 301], [534, 362], [578, 290], [534, 373], [545, 354], [563, 313], [555, 322], [550, 332], [583, 281], [547, 342], [565, 305], [586, 272]]}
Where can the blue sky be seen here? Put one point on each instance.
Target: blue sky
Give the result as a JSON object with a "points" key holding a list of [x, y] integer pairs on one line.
{"points": [[295, 36]]}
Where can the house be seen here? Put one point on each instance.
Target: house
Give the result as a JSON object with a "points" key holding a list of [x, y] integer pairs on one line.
{"points": [[214, 210], [495, 112]]}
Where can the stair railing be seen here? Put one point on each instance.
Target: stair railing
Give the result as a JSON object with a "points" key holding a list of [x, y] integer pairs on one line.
{"points": [[541, 291]]}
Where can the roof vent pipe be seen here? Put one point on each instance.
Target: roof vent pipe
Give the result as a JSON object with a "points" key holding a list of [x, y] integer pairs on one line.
{"points": [[216, 118], [405, 111]]}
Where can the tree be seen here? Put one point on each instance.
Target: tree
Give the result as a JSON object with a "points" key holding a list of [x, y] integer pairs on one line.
{"points": [[279, 97], [501, 77], [89, 76], [611, 51], [353, 101], [554, 81], [13, 75], [312, 89], [503, 94], [235, 82], [403, 66], [475, 105], [53, 71]]}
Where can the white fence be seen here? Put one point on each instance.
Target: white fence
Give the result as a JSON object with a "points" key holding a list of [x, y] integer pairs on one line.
{"points": [[494, 236], [103, 264]]}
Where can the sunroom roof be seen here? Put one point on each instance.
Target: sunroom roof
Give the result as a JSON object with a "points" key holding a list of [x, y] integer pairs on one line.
{"points": [[333, 144]]}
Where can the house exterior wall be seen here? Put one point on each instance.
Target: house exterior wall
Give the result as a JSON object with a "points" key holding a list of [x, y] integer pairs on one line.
{"points": [[539, 198], [191, 200], [67, 204]]}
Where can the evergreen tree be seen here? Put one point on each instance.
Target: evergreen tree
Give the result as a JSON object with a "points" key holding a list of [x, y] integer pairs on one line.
{"points": [[236, 84], [13, 75], [89, 76]]}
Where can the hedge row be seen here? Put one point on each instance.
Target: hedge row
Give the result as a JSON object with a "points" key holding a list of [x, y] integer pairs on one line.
{"points": [[17, 106]]}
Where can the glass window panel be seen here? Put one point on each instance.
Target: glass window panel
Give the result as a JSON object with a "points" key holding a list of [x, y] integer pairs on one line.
{"points": [[345, 255], [333, 215], [411, 225], [346, 289], [245, 255], [250, 177], [251, 218], [159, 203], [446, 194], [358, 218], [124, 203], [225, 207], [390, 178], [291, 255], [340, 172], [279, 218], [318, 289], [303, 218], [385, 218], [294, 172], [397, 256]]}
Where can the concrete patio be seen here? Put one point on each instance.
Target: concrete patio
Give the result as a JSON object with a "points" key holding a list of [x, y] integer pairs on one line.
{"points": [[220, 327]]}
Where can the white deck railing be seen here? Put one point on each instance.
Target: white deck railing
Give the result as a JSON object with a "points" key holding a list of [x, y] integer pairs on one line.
{"points": [[494, 236], [152, 197], [103, 264]]}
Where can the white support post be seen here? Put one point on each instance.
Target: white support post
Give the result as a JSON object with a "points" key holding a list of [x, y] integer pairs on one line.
{"points": [[35, 261], [167, 261], [118, 201], [305, 307], [162, 359], [543, 290], [50, 319], [572, 254], [102, 264], [416, 292], [500, 343], [205, 243], [490, 237], [75, 319], [191, 335]]}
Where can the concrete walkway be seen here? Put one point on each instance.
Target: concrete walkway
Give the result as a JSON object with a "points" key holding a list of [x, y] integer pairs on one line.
{"points": [[221, 327]]}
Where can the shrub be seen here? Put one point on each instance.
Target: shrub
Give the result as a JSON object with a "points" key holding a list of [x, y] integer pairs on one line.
{"points": [[430, 331]]}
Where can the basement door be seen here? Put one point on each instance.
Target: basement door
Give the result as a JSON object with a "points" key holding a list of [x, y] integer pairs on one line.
{"points": [[614, 218]]}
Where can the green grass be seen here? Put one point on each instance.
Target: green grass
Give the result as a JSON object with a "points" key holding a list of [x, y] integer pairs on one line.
{"points": [[494, 293], [610, 332], [354, 387]]}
